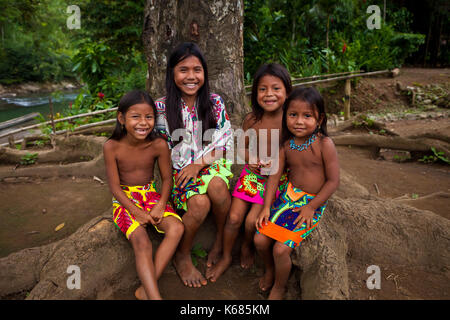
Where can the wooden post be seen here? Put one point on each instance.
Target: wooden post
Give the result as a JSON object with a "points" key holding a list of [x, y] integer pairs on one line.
{"points": [[51, 114], [52, 136], [348, 89], [11, 142]]}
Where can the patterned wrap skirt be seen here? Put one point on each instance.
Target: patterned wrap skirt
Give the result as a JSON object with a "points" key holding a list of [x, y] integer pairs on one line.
{"points": [[220, 168], [281, 225], [144, 197]]}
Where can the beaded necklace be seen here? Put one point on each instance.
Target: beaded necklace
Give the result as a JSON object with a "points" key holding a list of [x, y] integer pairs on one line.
{"points": [[303, 146]]}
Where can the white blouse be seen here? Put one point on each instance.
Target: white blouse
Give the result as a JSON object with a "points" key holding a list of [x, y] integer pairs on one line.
{"points": [[191, 148]]}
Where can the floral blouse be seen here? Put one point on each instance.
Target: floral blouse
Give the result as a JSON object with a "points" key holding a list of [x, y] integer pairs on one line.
{"points": [[191, 147]]}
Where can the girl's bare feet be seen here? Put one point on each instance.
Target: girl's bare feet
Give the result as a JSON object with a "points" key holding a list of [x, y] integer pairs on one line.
{"points": [[266, 281], [140, 293], [188, 273], [277, 293], [214, 254], [247, 256], [216, 271]]}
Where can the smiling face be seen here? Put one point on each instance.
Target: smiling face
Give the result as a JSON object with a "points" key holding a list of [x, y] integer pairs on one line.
{"points": [[301, 119], [139, 121], [189, 76], [271, 93]]}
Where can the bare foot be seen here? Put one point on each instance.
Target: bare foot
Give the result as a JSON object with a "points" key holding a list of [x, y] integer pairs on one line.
{"points": [[266, 281], [214, 254], [247, 256], [140, 293], [276, 293], [216, 271], [189, 274]]}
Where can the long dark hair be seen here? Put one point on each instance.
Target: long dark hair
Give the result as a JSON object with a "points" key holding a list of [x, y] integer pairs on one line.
{"points": [[130, 99], [311, 96], [173, 93], [271, 69]]}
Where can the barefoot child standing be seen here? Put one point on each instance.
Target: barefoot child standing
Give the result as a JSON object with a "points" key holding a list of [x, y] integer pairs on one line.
{"points": [[130, 155], [311, 157], [271, 85], [188, 113]]}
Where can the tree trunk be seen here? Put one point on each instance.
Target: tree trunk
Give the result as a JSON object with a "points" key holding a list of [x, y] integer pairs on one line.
{"points": [[216, 26]]}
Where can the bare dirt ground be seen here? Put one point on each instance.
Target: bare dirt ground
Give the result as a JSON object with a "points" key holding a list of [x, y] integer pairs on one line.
{"points": [[32, 209]]}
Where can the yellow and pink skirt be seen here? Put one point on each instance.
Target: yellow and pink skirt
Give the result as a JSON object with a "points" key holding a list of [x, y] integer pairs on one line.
{"points": [[144, 197]]}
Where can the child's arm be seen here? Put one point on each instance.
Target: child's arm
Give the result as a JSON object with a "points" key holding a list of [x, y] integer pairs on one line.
{"points": [[331, 167], [112, 173], [249, 156], [271, 189], [165, 171]]}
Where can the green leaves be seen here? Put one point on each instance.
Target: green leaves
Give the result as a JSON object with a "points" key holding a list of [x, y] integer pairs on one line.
{"points": [[293, 33], [197, 252], [29, 158], [94, 61]]}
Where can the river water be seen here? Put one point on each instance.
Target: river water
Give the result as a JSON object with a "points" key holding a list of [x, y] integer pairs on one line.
{"points": [[16, 106]]}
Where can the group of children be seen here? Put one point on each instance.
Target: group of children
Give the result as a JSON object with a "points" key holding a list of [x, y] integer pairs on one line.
{"points": [[280, 208]]}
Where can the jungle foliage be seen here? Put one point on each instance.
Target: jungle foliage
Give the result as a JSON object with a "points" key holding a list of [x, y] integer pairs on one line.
{"points": [[311, 37], [307, 36]]}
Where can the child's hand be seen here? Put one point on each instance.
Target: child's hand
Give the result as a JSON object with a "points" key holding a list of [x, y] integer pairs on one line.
{"points": [[254, 166], [157, 213], [142, 217], [263, 218], [187, 173], [265, 164], [306, 215]]}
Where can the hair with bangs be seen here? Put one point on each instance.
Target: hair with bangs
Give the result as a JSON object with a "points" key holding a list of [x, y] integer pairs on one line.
{"points": [[271, 69], [311, 96], [173, 93], [130, 99]]}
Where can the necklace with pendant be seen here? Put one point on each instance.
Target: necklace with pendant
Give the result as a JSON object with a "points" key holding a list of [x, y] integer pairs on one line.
{"points": [[304, 145]]}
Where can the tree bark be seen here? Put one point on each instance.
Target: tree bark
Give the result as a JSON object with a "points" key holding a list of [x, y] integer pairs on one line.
{"points": [[216, 26]]}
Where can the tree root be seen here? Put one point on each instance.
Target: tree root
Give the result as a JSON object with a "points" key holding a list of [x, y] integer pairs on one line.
{"points": [[419, 145]]}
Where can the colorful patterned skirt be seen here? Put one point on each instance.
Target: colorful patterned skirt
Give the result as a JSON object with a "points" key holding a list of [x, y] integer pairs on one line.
{"points": [[144, 197], [281, 225], [251, 185], [220, 168]]}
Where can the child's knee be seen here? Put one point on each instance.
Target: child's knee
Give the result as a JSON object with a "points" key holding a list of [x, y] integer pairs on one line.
{"points": [[235, 219], [281, 250], [175, 229], [261, 242], [140, 241], [218, 191], [198, 207], [199, 203]]}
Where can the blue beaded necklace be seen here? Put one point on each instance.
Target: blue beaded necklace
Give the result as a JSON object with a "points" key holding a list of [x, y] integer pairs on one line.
{"points": [[303, 146]]}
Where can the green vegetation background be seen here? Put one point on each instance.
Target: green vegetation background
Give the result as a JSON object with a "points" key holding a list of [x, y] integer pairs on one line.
{"points": [[309, 37]]}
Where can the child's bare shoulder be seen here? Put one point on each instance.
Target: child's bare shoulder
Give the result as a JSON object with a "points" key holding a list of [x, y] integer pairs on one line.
{"points": [[110, 145], [327, 142], [159, 144], [249, 121]]}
